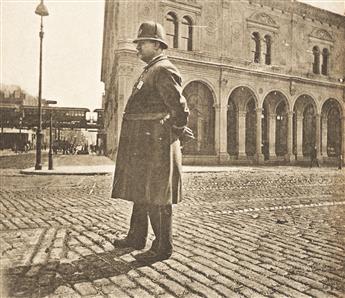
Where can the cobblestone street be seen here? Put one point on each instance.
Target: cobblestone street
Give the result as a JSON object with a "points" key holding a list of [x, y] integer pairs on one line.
{"points": [[247, 232]]}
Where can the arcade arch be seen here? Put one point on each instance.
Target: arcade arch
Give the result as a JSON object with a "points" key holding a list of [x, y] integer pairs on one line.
{"points": [[331, 136], [200, 101], [242, 123], [275, 125], [306, 126]]}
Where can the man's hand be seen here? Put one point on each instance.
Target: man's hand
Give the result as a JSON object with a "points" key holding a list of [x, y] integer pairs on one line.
{"points": [[184, 133]]}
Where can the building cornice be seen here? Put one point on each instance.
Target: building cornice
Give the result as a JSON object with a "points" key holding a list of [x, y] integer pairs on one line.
{"points": [[261, 73], [235, 68], [304, 10], [190, 6]]}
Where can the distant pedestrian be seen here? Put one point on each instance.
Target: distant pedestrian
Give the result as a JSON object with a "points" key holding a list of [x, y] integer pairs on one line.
{"points": [[340, 162], [313, 157]]}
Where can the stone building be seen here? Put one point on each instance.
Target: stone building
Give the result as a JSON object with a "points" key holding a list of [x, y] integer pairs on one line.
{"points": [[264, 79]]}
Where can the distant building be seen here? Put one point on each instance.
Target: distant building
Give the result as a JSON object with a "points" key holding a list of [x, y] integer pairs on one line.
{"points": [[19, 119], [12, 94], [264, 79]]}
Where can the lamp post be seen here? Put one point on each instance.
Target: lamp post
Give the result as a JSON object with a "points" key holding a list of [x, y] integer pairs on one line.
{"points": [[42, 11], [50, 153]]}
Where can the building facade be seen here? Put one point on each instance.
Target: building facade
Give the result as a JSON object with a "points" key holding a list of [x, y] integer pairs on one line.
{"points": [[264, 79]]}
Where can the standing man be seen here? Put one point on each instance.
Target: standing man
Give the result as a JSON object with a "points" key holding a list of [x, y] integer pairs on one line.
{"points": [[340, 161], [149, 158], [313, 157]]}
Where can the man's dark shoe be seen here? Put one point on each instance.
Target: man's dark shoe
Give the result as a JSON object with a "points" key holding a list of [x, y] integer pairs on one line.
{"points": [[150, 257], [126, 242]]}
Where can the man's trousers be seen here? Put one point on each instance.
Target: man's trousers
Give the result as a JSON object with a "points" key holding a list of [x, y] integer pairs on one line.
{"points": [[161, 223]]}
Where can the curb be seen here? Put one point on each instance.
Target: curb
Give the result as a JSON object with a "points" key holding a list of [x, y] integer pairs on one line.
{"points": [[72, 170], [109, 169]]}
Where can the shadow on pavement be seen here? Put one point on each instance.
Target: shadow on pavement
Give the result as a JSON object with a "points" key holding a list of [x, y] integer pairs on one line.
{"points": [[43, 279]]}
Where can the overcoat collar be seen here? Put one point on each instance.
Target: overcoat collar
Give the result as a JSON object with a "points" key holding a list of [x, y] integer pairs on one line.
{"points": [[160, 57]]}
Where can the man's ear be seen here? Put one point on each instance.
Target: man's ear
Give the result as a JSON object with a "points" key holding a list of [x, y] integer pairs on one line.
{"points": [[157, 45]]}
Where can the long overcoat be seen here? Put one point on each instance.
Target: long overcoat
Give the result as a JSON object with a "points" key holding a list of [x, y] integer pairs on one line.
{"points": [[149, 159]]}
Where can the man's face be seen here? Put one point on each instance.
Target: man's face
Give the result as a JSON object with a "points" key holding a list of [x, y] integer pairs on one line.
{"points": [[146, 50]]}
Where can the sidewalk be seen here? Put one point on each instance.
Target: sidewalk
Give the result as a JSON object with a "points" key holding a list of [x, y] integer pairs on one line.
{"points": [[75, 165], [101, 165]]}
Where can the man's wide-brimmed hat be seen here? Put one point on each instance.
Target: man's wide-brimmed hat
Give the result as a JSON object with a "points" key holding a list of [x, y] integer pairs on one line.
{"points": [[151, 31]]}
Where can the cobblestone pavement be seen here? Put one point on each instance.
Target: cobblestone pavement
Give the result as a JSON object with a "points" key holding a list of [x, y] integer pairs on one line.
{"points": [[251, 232]]}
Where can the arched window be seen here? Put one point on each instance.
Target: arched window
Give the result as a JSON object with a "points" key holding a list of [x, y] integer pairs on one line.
{"points": [[187, 34], [316, 64], [257, 47], [172, 30], [324, 68], [268, 42]]}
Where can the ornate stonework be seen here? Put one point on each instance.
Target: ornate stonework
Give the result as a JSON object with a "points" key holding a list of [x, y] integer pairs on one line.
{"points": [[125, 70], [146, 11], [292, 88], [188, 1], [226, 3], [236, 31], [224, 83], [211, 25], [321, 34], [263, 19]]}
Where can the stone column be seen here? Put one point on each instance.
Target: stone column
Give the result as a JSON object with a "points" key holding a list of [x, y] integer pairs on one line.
{"points": [[242, 135], [125, 25], [324, 136], [124, 89], [318, 134], [223, 133], [262, 49], [259, 155], [200, 132], [199, 34], [299, 139], [120, 105], [217, 128], [289, 135], [272, 135]]}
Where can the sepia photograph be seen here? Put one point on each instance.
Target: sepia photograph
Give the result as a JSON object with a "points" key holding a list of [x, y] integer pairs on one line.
{"points": [[172, 148]]}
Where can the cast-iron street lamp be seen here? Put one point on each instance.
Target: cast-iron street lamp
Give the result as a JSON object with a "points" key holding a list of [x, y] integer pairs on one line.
{"points": [[42, 11]]}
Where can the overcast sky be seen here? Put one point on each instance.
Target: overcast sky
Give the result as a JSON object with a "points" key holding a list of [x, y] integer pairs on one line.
{"points": [[72, 48]]}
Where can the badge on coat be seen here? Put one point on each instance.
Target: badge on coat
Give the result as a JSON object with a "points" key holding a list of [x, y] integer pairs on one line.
{"points": [[140, 84]]}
